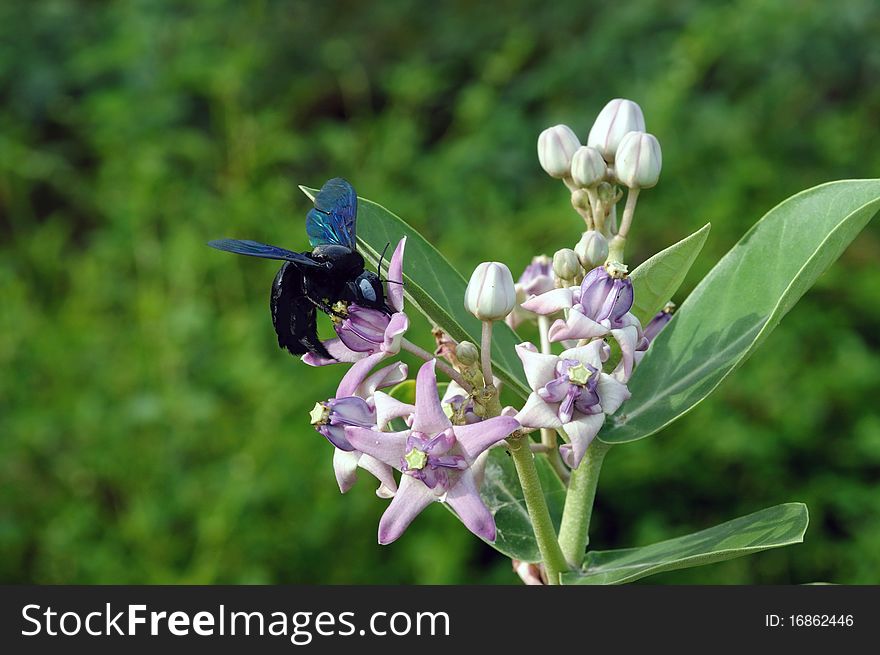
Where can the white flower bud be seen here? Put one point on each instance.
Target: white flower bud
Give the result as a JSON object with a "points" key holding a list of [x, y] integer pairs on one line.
{"points": [[490, 294], [587, 167], [616, 119], [639, 160], [566, 265], [592, 250], [467, 353], [556, 147]]}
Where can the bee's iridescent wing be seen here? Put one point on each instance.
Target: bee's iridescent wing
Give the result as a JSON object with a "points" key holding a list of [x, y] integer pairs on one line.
{"points": [[262, 250], [333, 219]]}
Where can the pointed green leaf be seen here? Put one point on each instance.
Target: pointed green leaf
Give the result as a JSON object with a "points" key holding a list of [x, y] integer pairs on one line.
{"points": [[434, 287], [773, 527], [740, 301], [503, 496], [657, 279]]}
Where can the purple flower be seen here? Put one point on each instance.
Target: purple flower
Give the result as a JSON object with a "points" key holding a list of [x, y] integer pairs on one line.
{"points": [[439, 461], [354, 405], [460, 402], [570, 392], [656, 324], [598, 307], [537, 278], [365, 331]]}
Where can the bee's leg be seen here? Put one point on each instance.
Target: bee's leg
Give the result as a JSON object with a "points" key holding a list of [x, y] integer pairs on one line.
{"points": [[293, 315], [303, 325]]}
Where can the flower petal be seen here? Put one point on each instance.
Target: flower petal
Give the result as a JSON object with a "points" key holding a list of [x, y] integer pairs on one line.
{"points": [[388, 376], [394, 292], [389, 408], [612, 393], [429, 417], [345, 466], [628, 338], [464, 498], [339, 351], [382, 472], [356, 375], [397, 325], [538, 414], [477, 437], [580, 433], [592, 354], [577, 326], [411, 498], [388, 447], [539, 368], [551, 302]]}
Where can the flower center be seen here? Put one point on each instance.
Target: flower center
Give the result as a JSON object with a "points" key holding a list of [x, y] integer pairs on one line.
{"points": [[431, 459], [320, 414], [616, 270], [415, 459], [579, 374]]}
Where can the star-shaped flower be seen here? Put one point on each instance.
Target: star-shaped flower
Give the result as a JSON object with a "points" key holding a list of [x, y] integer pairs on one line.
{"points": [[598, 307], [354, 404], [570, 391], [439, 461]]}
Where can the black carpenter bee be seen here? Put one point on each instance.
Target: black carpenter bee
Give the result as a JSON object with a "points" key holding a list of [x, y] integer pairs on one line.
{"points": [[328, 278]]}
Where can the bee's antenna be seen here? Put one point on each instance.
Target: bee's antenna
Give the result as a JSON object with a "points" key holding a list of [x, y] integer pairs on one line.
{"points": [[381, 257]]}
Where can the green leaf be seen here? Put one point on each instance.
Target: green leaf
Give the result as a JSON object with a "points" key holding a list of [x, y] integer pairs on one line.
{"points": [[503, 495], [773, 527], [658, 278], [405, 392], [435, 288], [740, 301]]}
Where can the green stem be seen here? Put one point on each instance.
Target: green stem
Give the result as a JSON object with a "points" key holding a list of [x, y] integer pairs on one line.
{"points": [[574, 532], [421, 353], [536, 504]]}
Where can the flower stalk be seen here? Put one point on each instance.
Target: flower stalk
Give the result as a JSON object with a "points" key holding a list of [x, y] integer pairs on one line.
{"points": [[545, 534], [424, 355], [574, 531]]}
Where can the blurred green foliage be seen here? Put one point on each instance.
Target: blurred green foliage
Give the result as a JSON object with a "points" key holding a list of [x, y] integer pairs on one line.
{"points": [[150, 429]]}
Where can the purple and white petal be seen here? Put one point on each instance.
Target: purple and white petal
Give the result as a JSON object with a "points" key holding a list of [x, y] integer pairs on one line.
{"points": [[398, 324], [389, 408], [464, 498], [385, 377], [411, 498], [539, 368], [475, 438], [356, 375], [576, 326], [382, 472], [340, 353], [588, 355], [429, 416], [628, 339], [612, 393], [581, 433], [453, 391], [345, 466], [552, 301], [538, 414], [394, 291], [387, 447]]}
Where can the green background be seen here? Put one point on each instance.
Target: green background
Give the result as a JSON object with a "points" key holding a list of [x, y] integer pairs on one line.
{"points": [[150, 429]]}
